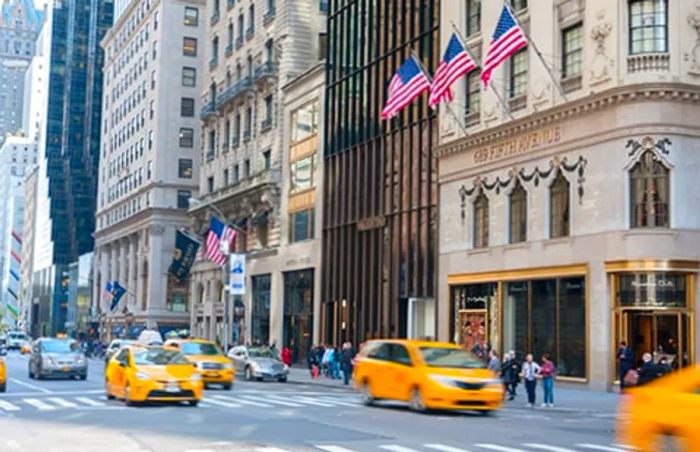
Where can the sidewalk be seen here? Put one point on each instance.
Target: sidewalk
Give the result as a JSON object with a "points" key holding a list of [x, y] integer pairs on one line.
{"points": [[566, 399]]}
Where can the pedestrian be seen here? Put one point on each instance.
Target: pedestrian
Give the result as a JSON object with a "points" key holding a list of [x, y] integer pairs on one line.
{"points": [[648, 371], [625, 359], [335, 363], [346, 361], [286, 356], [313, 362], [509, 373], [547, 371], [530, 373], [663, 368], [494, 364]]}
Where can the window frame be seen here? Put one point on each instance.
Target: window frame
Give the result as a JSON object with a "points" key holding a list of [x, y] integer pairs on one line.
{"points": [[514, 78], [481, 221], [566, 52], [180, 194], [187, 107], [186, 77], [190, 133], [559, 227], [190, 39], [630, 28], [310, 225], [517, 214], [182, 168], [188, 20], [654, 178], [473, 13]]}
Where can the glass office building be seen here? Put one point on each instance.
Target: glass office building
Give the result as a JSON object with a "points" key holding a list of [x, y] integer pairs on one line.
{"points": [[380, 188]]}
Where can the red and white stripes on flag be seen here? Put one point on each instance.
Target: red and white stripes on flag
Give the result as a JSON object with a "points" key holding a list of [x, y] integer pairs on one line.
{"points": [[507, 39], [409, 82], [455, 63], [218, 233]]}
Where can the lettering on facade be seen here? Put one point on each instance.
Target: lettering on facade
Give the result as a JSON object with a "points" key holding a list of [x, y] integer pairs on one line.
{"points": [[661, 283], [371, 223], [296, 262], [519, 145]]}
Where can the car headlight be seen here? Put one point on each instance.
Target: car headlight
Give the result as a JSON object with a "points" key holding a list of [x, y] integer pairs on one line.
{"points": [[196, 377], [49, 361], [199, 365], [81, 360], [443, 380], [228, 366], [142, 376], [255, 366]]}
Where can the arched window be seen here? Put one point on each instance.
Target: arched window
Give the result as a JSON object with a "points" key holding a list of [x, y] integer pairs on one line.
{"points": [[481, 221], [559, 212], [518, 214], [649, 193]]}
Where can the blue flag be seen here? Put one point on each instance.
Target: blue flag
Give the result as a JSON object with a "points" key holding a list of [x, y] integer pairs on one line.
{"points": [[117, 292], [183, 256]]}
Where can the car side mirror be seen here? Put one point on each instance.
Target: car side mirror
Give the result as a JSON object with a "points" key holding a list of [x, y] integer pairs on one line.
{"points": [[122, 364]]}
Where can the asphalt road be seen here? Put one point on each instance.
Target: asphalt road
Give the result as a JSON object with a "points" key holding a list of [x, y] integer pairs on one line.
{"points": [[62, 416]]}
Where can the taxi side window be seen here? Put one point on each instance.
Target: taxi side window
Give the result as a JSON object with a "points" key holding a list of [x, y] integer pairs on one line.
{"points": [[399, 354], [379, 352], [123, 356]]}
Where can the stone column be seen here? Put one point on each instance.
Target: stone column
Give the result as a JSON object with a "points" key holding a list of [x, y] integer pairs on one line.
{"points": [[132, 273], [157, 268], [140, 260], [104, 277]]}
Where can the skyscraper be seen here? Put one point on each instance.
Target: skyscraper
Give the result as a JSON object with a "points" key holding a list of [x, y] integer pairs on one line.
{"points": [[68, 150]]}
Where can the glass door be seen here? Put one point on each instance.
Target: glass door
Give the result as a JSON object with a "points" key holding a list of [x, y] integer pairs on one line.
{"points": [[661, 333]]}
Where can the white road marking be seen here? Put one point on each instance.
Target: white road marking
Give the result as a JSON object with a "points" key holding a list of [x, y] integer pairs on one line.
{"points": [[333, 448], [443, 448], [271, 449], [394, 448], [12, 444], [62, 402], [7, 406], [36, 403], [224, 404], [199, 450], [548, 448], [241, 401], [603, 448], [54, 393], [311, 401], [277, 401], [30, 386], [88, 401], [498, 448], [339, 402]]}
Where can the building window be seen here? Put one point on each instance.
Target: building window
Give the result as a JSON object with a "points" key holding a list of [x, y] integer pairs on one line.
{"points": [[184, 168], [189, 76], [305, 122], [226, 181], [212, 144], [473, 17], [518, 214], [150, 140], [251, 21], [214, 49], [648, 26], [301, 225], [473, 93], [183, 199], [236, 173], [246, 168], [189, 46], [649, 191], [248, 124], [210, 184], [187, 107], [572, 51], [229, 36], [559, 207], [241, 27], [186, 138], [481, 221], [267, 159], [302, 174], [191, 16], [518, 74], [518, 5], [227, 134]]}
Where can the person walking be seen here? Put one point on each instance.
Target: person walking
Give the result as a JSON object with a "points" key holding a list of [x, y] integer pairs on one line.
{"points": [[625, 360], [547, 371], [530, 372], [335, 363], [509, 373], [346, 362], [286, 356], [494, 364]]}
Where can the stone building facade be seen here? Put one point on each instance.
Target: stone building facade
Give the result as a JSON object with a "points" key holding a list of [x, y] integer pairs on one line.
{"points": [[568, 219]]}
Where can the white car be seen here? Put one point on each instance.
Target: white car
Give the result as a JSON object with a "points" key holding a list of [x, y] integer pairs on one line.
{"points": [[16, 339]]}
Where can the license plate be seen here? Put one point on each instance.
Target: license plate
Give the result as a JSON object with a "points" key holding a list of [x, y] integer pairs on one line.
{"points": [[213, 375], [65, 369], [172, 388]]}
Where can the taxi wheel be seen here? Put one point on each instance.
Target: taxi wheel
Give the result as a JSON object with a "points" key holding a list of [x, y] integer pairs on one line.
{"points": [[668, 442], [417, 403], [193, 402], [31, 374], [127, 397], [3, 387], [249, 374], [367, 396], [228, 386]]}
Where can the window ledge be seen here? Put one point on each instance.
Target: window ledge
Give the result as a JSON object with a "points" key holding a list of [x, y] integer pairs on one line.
{"points": [[638, 232], [517, 103], [478, 251], [517, 246], [648, 62], [472, 119], [558, 241], [571, 83]]}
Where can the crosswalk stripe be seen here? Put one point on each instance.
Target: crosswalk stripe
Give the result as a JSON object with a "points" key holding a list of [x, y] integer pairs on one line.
{"points": [[242, 401], [548, 448], [278, 401], [36, 403], [271, 449], [62, 402], [333, 448], [338, 402], [88, 401], [7, 406], [224, 404], [603, 448], [311, 401], [443, 448], [498, 448], [394, 448]]}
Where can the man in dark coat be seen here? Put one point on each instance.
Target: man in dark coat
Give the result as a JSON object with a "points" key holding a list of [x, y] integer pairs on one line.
{"points": [[625, 359], [509, 374], [648, 372], [346, 361]]}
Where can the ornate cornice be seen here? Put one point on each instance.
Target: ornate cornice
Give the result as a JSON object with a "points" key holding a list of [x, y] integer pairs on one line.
{"points": [[577, 108]]}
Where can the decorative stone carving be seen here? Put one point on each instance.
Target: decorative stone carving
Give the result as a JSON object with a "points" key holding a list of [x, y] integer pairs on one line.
{"points": [[539, 91], [601, 66], [694, 55], [448, 125], [648, 143]]}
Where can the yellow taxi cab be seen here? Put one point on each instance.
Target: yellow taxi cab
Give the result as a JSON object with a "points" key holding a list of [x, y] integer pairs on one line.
{"points": [[427, 375], [3, 375], [152, 374], [664, 411], [211, 362]]}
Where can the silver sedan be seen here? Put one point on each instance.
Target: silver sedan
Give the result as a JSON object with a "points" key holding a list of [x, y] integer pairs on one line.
{"points": [[258, 363]]}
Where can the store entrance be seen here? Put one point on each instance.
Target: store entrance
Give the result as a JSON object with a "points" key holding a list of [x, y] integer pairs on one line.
{"points": [[661, 333]]}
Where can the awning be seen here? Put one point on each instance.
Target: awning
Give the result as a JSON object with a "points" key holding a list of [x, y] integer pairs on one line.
{"points": [[134, 331], [117, 330]]}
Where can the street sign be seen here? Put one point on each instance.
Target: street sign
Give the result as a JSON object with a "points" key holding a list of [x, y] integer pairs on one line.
{"points": [[237, 274]]}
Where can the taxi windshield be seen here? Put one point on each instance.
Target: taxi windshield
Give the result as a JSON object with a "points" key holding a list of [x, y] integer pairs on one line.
{"points": [[260, 353], [59, 346], [455, 358], [200, 348], [158, 357]]}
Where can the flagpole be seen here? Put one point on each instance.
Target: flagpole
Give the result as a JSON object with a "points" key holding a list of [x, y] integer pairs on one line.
{"points": [[537, 51], [495, 91], [449, 108]]}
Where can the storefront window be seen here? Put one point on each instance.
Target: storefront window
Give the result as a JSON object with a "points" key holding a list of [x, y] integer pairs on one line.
{"points": [[572, 327], [298, 312], [544, 317], [652, 289], [305, 122], [516, 319], [475, 315], [260, 318]]}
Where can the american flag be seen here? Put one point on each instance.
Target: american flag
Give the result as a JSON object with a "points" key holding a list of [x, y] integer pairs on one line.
{"points": [[408, 83], [218, 233], [456, 62], [507, 39]]}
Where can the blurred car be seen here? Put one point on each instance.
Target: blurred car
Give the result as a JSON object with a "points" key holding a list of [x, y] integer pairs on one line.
{"points": [[3, 345], [150, 337], [664, 411], [115, 346], [141, 374], [258, 363], [53, 357], [16, 339], [427, 375], [3, 375], [211, 362]]}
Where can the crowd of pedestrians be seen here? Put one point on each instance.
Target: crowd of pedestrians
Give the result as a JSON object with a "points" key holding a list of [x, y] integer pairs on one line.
{"points": [[332, 362]]}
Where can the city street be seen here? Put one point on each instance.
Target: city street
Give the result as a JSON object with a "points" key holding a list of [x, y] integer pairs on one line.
{"points": [[272, 417]]}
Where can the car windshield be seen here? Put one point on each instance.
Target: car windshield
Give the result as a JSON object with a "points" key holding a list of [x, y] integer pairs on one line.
{"points": [[200, 348], [260, 353], [19, 336], [158, 357], [59, 346], [449, 357]]}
